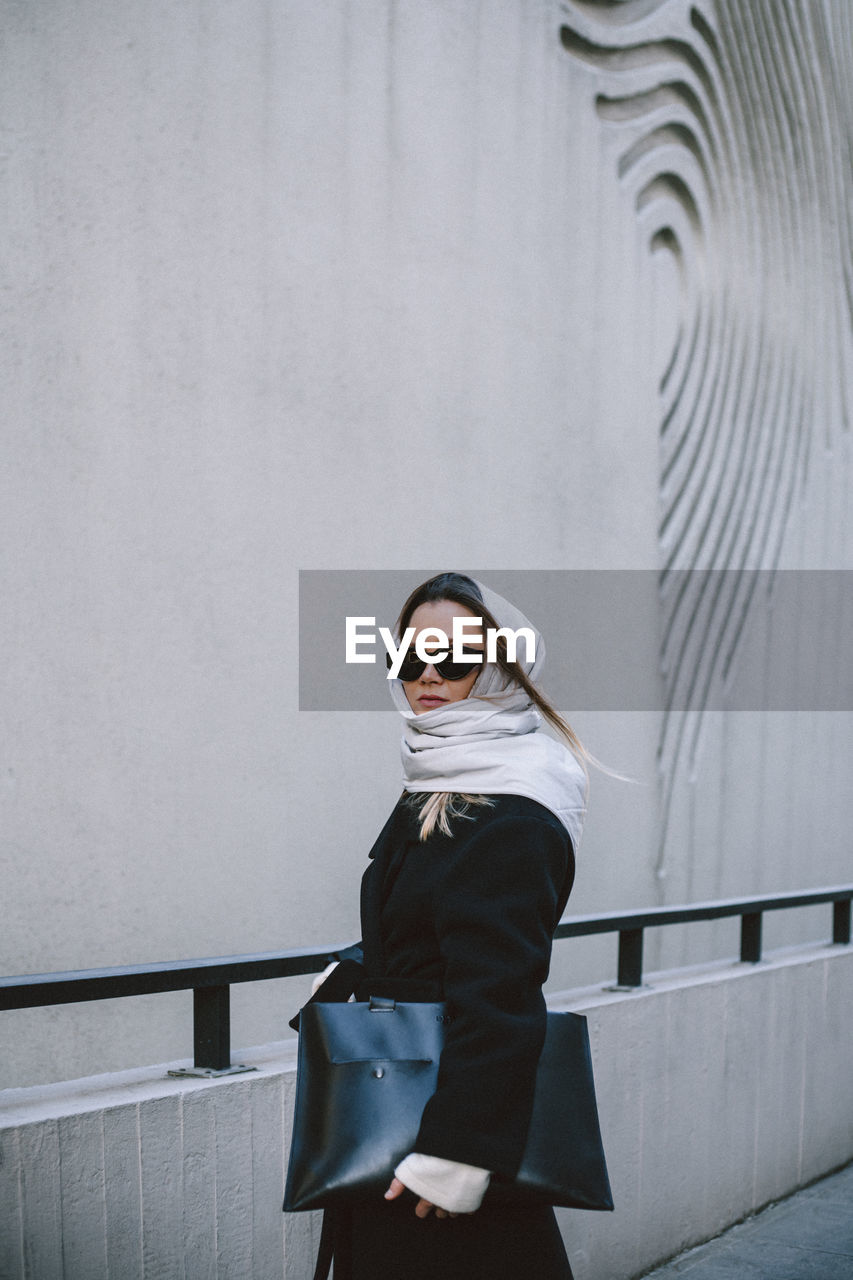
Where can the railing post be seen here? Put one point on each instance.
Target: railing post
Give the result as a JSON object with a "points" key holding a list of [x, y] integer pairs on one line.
{"points": [[630, 972], [841, 921], [212, 1027], [750, 937]]}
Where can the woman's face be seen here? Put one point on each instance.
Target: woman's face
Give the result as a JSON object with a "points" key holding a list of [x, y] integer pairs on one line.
{"points": [[431, 689]]}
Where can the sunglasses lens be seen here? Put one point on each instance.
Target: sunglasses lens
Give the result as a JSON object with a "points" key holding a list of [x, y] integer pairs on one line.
{"points": [[450, 670], [412, 668]]}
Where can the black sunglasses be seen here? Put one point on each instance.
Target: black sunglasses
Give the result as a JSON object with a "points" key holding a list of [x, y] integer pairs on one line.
{"points": [[413, 667]]}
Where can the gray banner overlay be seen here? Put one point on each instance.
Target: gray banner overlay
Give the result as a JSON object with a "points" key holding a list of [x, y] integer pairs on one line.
{"points": [[616, 640]]}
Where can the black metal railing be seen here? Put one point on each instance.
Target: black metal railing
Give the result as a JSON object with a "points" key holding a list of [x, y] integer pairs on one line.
{"points": [[631, 924], [211, 980]]}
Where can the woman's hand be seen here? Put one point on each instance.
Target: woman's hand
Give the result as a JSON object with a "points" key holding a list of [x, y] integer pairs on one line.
{"points": [[423, 1208]]}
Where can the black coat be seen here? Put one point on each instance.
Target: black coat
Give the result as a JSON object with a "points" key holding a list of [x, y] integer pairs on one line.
{"points": [[468, 919], [471, 918]]}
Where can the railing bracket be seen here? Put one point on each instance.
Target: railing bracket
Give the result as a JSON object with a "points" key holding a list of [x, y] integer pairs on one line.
{"points": [[210, 1073]]}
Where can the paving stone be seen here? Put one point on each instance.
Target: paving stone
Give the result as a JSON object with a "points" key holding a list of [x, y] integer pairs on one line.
{"points": [[812, 1223], [808, 1236], [838, 1188], [771, 1262]]}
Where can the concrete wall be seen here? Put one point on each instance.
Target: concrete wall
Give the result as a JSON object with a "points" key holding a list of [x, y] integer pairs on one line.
{"points": [[719, 1090], [304, 283]]}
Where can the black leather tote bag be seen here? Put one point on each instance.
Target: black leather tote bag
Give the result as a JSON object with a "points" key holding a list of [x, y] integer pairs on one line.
{"points": [[365, 1071]]}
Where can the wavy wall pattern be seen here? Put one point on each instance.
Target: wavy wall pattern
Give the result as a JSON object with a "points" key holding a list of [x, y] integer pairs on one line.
{"points": [[737, 121]]}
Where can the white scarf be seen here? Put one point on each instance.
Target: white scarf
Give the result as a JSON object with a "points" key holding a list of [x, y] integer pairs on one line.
{"points": [[491, 742]]}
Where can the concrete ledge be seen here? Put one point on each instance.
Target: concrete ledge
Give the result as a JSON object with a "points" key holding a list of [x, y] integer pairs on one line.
{"points": [[720, 1088]]}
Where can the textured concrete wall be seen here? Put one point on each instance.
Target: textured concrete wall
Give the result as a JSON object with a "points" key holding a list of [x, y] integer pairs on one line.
{"points": [[730, 120], [316, 284], [718, 1092]]}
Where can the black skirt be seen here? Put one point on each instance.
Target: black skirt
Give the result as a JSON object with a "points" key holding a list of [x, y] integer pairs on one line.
{"points": [[386, 1241]]}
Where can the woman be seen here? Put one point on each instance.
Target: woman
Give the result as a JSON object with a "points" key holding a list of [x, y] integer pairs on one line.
{"points": [[467, 882]]}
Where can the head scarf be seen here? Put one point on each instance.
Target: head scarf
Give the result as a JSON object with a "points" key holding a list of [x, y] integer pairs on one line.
{"points": [[491, 743]]}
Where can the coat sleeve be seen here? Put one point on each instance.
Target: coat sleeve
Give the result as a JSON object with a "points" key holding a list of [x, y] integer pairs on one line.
{"points": [[495, 913]]}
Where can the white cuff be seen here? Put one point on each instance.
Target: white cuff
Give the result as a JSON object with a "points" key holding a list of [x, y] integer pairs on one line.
{"points": [[321, 977], [458, 1188]]}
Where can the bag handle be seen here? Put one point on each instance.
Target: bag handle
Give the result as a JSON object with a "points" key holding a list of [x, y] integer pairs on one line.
{"points": [[382, 1004]]}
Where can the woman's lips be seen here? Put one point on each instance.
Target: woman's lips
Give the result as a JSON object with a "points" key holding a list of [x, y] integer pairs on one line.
{"points": [[431, 699]]}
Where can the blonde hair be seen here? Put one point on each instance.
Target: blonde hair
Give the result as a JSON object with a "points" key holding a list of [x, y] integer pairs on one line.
{"points": [[439, 808]]}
